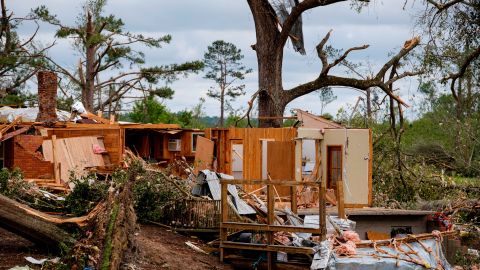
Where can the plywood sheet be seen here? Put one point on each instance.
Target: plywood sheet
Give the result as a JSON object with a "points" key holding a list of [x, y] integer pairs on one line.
{"points": [[203, 154], [74, 154], [280, 163]]}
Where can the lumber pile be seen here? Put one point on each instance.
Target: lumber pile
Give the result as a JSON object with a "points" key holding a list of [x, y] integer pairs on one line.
{"points": [[49, 184]]}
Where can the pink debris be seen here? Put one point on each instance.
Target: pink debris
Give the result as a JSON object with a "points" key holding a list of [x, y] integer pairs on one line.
{"points": [[97, 149], [351, 236], [348, 248]]}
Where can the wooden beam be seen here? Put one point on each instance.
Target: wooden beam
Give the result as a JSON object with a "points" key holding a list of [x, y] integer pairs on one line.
{"points": [[265, 247], [271, 228], [15, 133], [340, 200], [56, 169], [276, 117], [265, 182], [97, 118]]}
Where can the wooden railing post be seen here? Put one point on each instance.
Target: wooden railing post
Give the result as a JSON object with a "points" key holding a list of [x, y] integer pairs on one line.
{"points": [[224, 218], [270, 220]]}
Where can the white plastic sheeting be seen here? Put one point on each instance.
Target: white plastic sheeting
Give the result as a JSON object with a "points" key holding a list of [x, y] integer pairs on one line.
{"points": [[8, 114]]}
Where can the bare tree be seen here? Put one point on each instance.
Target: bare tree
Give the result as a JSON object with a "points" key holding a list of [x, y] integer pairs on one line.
{"points": [[274, 24], [106, 46], [19, 59]]}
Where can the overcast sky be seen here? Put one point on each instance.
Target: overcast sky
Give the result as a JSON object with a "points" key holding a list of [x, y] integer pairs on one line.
{"points": [[195, 24]]}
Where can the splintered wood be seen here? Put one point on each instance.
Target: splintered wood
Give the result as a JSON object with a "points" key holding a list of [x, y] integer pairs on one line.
{"points": [[73, 154]]}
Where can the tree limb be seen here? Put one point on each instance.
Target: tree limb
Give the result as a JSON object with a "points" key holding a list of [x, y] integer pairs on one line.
{"points": [[444, 6], [324, 79]]}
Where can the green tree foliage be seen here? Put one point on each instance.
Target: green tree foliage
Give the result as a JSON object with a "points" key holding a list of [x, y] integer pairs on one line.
{"points": [[150, 110], [326, 97], [20, 59], [105, 47], [224, 67]]}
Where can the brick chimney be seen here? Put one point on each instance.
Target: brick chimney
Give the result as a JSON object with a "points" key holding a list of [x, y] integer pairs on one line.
{"points": [[47, 96]]}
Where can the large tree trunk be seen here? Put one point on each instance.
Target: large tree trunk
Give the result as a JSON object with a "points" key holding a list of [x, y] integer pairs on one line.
{"points": [[222, 107], [271, 100], [88, 91], [31, 224]]}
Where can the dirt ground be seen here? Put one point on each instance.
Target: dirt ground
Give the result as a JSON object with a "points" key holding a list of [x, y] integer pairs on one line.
{"points": [[157, 248], [162, 249], [13, 249]]}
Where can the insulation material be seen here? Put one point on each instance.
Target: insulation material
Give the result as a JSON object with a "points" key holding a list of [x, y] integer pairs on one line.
{"points": [[74, 154]]}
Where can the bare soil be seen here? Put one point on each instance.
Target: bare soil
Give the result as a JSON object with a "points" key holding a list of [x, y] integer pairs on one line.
{"points": [[14, 248], [162, 249], [157, 248]]}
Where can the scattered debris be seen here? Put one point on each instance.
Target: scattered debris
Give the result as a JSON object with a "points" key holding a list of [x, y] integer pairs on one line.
{"points": [[194, 247]]}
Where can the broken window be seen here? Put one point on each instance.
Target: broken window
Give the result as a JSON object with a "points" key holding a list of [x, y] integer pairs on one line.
{"points": [[194, 140]]}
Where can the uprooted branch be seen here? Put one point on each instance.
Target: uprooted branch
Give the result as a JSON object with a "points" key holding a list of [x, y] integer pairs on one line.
{"points": [[324, 79]]}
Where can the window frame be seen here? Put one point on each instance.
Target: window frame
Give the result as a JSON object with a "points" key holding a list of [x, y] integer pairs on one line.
{"points": [[330, 149], [192, 141]]}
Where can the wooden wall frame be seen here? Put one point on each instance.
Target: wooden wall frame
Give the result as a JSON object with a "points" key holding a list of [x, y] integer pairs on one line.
{"points": [[270, 227]]}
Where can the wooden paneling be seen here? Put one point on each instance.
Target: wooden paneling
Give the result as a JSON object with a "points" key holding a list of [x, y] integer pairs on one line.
{"points": [[112, 138], [252, 147], [203, 154], [280, 163]]}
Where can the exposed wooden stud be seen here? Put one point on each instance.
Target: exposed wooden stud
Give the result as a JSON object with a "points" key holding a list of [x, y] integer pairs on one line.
{"points": [[56, 171], [340, 200]]}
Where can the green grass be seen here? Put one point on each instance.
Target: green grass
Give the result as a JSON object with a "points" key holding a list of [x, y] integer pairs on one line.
{"points": [[465, 181]]}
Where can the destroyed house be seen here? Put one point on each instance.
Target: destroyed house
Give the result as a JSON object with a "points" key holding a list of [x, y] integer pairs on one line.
{"points": [[161, 143], [344, 156], [47, 144]]}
